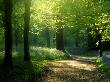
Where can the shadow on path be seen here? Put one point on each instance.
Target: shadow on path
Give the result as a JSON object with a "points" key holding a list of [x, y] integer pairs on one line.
{"points": [[80, 69]]}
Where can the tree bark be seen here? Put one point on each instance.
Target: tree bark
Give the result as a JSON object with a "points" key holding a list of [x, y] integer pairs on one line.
{"points": [[26, 30], [100, 44], [8, 32], [48, 37], [16, 37], [59, 39]]}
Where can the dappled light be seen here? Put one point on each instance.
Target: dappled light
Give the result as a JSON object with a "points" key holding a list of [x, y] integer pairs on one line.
{"points": [[54, 41], [73, 71]]}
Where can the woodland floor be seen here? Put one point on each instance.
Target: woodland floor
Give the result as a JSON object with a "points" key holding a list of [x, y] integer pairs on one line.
{"points": [[79, 69]]}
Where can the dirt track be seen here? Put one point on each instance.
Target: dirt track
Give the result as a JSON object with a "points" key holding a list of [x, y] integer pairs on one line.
{"points": [[80, 69]]}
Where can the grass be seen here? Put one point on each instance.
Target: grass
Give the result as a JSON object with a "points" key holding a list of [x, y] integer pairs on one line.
{"points": [[29, 71]]}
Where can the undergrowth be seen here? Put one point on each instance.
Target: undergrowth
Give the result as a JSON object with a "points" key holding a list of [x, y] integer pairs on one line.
{"points": [[102, 66], [29, 71], [46, 54]]}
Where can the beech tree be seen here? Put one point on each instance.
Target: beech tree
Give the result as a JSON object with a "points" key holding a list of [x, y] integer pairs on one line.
{"points": [[8, 32], [26, 30]]}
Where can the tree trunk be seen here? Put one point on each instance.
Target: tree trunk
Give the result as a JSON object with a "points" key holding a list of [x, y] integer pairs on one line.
{"points": [[8, 32], [77, 40], [26, 30], [100, 44], [16, 37], [48, 37], [77, 43], [59, 39]]}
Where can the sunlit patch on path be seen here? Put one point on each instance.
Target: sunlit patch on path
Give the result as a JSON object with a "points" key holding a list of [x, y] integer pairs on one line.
{"points": [[80, 69]]}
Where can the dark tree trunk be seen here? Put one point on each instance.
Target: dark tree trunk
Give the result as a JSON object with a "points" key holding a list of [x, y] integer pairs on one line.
{"points": [[8, 32], [77, 41], [34, 39], [59, 39], [16, 37], [100, 44], [26, 30], [48, 37]]}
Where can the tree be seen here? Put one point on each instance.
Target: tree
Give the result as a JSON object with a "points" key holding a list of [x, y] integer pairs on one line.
{"points": [[26, 30], [59, 36], [100, 44], [8, 32], [16, 37], [59, 39], [47, 35]]}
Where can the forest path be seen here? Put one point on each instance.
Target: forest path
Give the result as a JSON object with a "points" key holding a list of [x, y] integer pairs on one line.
{"points": [[80, 69]]}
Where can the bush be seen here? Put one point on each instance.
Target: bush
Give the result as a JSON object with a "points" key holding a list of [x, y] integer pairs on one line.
{"points": [[103, 66]]}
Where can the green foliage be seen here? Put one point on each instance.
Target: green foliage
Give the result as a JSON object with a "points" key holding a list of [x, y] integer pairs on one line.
{"points": [[1, 34], [46, 54], [29, 71], [75, 16], [104, 67], [82, 20], [99, 61]]}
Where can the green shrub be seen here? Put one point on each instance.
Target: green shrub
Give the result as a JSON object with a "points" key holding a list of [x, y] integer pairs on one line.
{"points": [[103, 66]]}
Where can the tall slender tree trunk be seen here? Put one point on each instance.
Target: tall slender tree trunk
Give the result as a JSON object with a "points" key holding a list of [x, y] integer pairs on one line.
{"points": [[8, 32], [77, 40], [26, 30], [100, 44], [16, 37], [48, 37], [59, 39]]}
